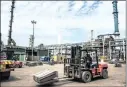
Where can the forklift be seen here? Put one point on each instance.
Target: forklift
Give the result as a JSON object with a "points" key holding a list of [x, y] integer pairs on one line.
{"points": [[80, 65]]}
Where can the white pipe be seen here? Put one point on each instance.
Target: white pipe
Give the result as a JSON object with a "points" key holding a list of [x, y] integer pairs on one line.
{"points": [[92, 47], [53, 51], [92, 41], [110, 49], [103, 46], [25, 55], [61, 50]]}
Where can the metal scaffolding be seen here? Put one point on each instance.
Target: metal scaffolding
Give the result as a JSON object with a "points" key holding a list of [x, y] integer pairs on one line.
{"points": [[108, 47]]}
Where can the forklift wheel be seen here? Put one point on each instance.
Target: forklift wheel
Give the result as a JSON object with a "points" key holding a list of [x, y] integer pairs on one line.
{"points": [[104, 74], [20, 66], [86, 76]]}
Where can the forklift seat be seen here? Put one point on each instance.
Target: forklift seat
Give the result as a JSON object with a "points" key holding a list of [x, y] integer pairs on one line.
{"points": [[94, 65]]}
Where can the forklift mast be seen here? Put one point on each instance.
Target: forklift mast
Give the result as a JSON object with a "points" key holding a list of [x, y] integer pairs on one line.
{"points": [[75, 55]]}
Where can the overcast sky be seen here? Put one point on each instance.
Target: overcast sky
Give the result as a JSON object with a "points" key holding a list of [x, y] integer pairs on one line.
{"points": [[71, 21]]}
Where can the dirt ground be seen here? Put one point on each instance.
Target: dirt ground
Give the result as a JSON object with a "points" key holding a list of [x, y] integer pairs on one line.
{"points": [[24, 77]]}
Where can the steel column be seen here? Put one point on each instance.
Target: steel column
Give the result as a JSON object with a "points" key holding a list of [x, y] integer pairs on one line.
{"points": [[110, 49], [103, 46]]}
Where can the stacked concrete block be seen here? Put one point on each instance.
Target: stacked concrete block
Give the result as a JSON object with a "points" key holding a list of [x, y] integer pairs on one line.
{"points": [[46, 77]]}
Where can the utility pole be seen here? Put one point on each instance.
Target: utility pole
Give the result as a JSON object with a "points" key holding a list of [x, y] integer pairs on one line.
{"points": [[33, 22]]}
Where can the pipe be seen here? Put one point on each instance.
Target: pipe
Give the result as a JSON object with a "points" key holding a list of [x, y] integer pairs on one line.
{"points": [[92, 41], [110, 49], [115, 14], [103, 46]]}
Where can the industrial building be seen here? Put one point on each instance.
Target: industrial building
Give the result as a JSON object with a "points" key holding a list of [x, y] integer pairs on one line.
{"points": [[108, 45]]}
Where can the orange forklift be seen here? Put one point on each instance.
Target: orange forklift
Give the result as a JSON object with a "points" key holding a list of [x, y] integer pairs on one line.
{"points": [[81, 66]]}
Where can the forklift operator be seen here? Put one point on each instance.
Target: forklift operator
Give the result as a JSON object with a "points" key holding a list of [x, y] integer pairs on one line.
{"points": [[88, 61]]}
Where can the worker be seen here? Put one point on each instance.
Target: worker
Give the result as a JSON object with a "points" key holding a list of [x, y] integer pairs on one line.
{"points": [[88, 60], [52, 61]]}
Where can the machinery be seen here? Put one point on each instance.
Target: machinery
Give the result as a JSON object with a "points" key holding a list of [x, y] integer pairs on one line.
{"points": [[11, 43], [17, 64], [6, 66], [81, 66], [7, 52], [10, 56]]}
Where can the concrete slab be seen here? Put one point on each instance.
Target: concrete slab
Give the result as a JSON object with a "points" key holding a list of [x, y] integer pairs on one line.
{"points": [[45, 76]]}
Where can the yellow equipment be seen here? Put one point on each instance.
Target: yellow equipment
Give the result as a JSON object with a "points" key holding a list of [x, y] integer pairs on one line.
{"points": [[6, 66]]}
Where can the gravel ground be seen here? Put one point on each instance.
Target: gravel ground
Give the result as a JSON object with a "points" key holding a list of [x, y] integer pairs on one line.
{"points": [[24, 77]]}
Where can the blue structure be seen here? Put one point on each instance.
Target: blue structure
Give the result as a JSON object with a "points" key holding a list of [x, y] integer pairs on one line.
{"points": [[45, 58], [115, 13]]}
